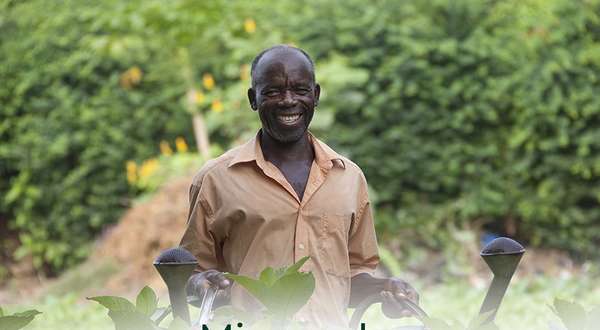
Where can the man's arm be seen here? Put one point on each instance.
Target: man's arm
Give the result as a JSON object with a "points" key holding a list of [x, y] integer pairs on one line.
{"points": [[364, 259], [197, 237], [201, 243], [363, 253]]}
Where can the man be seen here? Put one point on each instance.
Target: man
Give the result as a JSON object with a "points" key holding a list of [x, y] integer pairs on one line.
{"points": [[285, 195]]}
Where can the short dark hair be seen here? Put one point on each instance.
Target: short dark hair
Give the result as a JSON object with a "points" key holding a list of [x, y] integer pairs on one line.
{"points": [[280, 47]]}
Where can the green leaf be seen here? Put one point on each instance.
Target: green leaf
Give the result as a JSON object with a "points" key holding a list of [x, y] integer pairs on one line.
{"points": [[18, 320], [257, 288], [296, 267], [131, 320], [146, 301], [571, 314], [1, 312], [28, 313], [268, 276], [289, 294], [283, 291], [113, 303]]}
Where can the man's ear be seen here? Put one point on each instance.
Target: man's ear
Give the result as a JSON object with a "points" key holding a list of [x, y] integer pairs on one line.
{"points": [[317, 94], [252, 99]]}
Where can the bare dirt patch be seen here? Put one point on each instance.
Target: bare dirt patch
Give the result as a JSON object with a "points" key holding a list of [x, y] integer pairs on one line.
{"points": [[143, 232]]}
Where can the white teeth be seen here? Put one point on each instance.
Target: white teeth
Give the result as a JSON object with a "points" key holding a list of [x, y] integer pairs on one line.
{"points": [[288, 119]]}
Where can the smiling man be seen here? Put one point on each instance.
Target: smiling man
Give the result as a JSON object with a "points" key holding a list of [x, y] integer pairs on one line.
{"points": [[285, 195]]}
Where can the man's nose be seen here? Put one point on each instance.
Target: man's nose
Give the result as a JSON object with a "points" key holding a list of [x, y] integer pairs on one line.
{"points": [[288, 99]]}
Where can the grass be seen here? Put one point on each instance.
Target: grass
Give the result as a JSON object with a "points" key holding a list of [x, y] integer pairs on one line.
{"points": [[68, 312], [525, 306]]}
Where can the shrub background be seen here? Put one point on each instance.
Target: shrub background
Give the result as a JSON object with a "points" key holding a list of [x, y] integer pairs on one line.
{"points": [[467, 114]]}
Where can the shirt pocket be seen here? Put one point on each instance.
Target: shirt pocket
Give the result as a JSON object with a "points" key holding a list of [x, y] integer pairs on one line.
{"points": [[333, 244]]}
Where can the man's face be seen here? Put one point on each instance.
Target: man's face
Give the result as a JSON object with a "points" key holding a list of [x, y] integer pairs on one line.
{"points": [[285, 94]]}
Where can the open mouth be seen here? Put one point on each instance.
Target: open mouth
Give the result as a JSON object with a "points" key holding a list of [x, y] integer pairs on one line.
{"points": [[289, 119]]}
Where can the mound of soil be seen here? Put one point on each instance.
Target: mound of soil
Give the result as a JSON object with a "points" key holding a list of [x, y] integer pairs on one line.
{"points": [[142, 233]]}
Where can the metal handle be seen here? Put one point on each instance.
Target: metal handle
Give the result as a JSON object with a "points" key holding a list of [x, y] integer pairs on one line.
{"points": [[206, 306], [360, 310]]}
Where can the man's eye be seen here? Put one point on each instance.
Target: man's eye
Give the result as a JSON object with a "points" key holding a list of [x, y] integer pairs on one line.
{"points": [[302, 91], [271, 93]]}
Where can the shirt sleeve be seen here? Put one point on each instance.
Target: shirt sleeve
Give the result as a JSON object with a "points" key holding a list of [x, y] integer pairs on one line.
{"points": [[362, 244], [197, 237]]}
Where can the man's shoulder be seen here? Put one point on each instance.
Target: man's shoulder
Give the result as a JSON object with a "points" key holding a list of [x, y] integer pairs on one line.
{"points": [[352, 166], [342, 160], [216, 165]]}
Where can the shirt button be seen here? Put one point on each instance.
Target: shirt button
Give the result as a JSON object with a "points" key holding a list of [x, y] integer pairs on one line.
{"points": [[301, 246]]}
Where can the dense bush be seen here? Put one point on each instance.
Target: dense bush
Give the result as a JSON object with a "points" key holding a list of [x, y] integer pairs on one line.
{"points": [[92, 88], [478, 113], [80, 95]]}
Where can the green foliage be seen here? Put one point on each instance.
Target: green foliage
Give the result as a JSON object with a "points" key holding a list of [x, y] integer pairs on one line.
{"points": [[93, 86], [16, 321], [81, 95], [282, 291], [461, 113], [127, 316], [146, 302], [475, 112], [455, 301]]}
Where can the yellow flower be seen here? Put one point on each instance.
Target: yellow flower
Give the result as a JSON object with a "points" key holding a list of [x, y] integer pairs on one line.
{"points": [[165, 148], [244, 72], [131, 77], [135, 74], [249, 25], [131, 171], [181, 145], [148, 167], [216, 106], [208, 81]]}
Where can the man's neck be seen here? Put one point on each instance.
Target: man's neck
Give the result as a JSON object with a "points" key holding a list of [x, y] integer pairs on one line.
{"points": [[278, 153]]}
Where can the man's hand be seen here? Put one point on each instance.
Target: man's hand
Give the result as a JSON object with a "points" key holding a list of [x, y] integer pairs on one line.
{"points": [[200, 282], [392, 290], [395, 291]]}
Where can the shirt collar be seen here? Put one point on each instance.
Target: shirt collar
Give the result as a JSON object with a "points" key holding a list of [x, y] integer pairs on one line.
{"points": [[325, 157]]}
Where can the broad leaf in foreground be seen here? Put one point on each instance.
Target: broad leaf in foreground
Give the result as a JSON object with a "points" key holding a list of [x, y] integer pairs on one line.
{"points": [[18, 320], [124, 314], [113, 303], [146, 301], [282, 291], [125, 320]]}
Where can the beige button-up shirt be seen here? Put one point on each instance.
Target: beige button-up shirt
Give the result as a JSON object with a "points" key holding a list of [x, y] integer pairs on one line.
{"points": [[245, 216]]}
